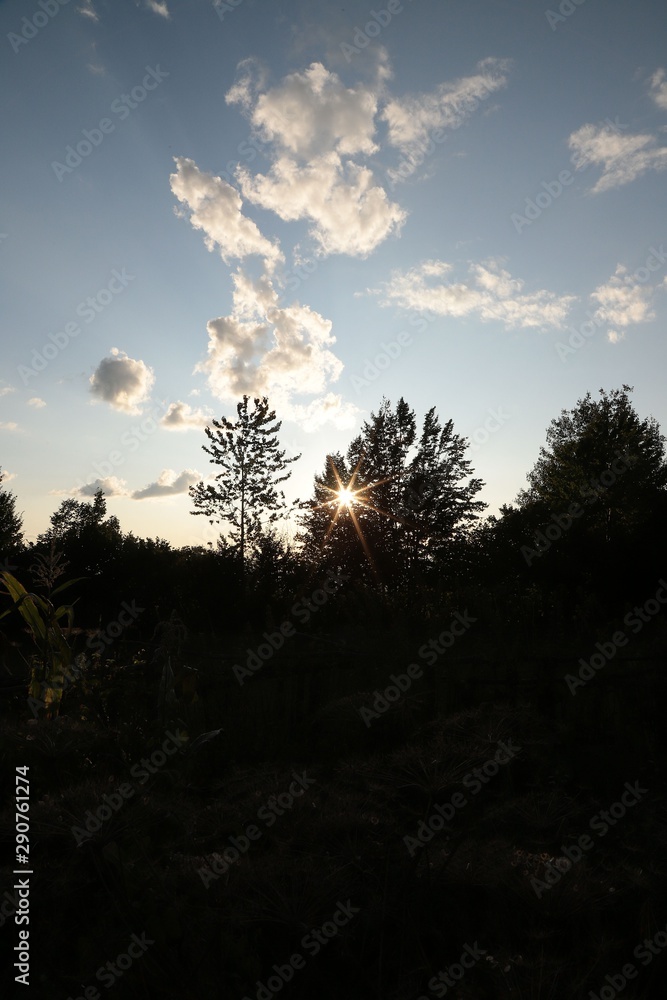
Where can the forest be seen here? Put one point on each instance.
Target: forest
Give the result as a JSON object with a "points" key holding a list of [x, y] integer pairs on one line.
{"points": [[378, 695]]}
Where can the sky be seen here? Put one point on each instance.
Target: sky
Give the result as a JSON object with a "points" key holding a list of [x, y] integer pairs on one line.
{"points": [[460, 202]]}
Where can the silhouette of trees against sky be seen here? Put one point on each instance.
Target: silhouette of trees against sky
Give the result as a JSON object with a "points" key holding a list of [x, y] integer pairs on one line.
{"points": [[389, 508], [11, 524], [400, 512], [591, 520], [244, 496]]}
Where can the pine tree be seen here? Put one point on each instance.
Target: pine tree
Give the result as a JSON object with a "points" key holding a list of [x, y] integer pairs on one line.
{"points": [[245, 494]]}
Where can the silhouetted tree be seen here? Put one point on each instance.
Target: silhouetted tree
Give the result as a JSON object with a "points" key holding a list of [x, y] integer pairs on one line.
{"points": [[245, 495], [410, 497], [11, 524]]}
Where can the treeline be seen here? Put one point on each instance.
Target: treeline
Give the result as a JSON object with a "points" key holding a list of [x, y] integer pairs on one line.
{"points": [[399, 514]]}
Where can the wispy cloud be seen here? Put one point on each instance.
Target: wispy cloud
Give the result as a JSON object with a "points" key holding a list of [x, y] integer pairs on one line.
{"points": [[623, 302], [36, 402], [658, 88], [413, 120], [88, 10], [488, 290], [168, 484], [622, 158]]}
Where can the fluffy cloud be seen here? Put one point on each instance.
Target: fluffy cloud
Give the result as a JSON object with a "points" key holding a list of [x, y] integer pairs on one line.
{"points": [[5, 390], [10, 425], [215, 209], [159, 7], [312, 113], [658, 89], [123, 382], [623, 302], [350, 214], [314, 124], [623, 158], [36, 402], [169, 483], [262, 348], [329, 409], [181, 417], [112, 486], [412, 120], [489, 291]]}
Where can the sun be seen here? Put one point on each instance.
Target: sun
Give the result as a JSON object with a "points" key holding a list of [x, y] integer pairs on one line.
{"points": [[345, 497]]}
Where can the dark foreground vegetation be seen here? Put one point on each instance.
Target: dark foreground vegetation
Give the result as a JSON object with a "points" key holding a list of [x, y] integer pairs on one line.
{"points": [[428, 765]]}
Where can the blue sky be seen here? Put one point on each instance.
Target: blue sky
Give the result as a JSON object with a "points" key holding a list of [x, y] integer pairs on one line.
{"points": [[270, 197]]}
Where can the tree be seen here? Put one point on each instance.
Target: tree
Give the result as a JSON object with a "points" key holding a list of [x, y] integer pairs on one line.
{"points": [[587, 529], [11, 524], [245, 493], [407, 500], [604, 458]]}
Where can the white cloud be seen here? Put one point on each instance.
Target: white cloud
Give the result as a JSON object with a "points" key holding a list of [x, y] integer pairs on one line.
{"points": [[181, 417], [88, 10], [159, 8], [263, 349], [313, 124], [623, 302], [329, 409], [111, 485], [36, 402], [123, 382], [312, 113], [215, 208], [8, 425], [412, 120], [350, 214], [489, 291], [168, 484], [623, 158], [658, 88], [5, 390], [8, 476]]}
